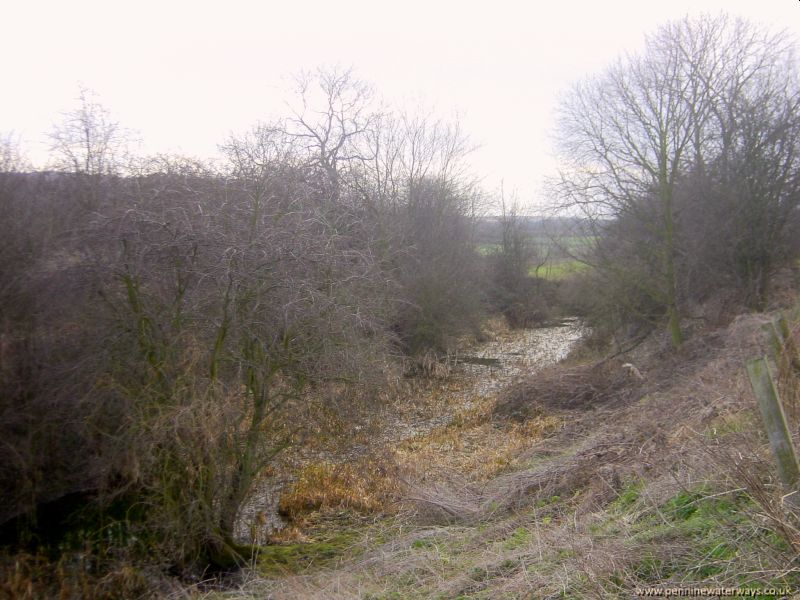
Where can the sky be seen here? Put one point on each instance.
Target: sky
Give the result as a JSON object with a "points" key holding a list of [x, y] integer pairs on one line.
{"points": [[186, 75]]}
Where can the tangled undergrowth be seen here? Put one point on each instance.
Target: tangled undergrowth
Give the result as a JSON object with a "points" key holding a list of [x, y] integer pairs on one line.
{"points": [[662, 479], [585, 481]]}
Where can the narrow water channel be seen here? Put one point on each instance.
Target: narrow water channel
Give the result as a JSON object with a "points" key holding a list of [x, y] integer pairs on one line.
{"points": [[484, 370]]}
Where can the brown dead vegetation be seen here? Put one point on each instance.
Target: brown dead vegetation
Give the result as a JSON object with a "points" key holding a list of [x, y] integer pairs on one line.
{"points": [[363, 486], [565, 516], [578, 387]]}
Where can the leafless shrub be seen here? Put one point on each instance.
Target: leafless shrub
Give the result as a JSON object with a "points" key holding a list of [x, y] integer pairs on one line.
{"points": [[164, 331]]}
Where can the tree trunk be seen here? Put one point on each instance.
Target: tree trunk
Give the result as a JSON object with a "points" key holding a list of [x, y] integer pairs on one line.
{"points": [[676, 335]]}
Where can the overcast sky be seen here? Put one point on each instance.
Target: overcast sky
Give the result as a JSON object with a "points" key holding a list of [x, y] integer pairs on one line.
{"points": [[185, 75]]}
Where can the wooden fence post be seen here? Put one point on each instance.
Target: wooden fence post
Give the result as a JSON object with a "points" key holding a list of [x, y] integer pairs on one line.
{"points": [[783, 352], [782, 349], [775, 422]]}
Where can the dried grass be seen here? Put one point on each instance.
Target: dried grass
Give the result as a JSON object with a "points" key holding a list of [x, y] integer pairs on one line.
{"points": [[80, 575], [558, 388], [583, 508], [367, 486]]}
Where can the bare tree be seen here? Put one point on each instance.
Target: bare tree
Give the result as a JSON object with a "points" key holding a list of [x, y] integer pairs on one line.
{"points": [[628, 134], [236, 294], [424, 207], [632, 135], [751, 172], [11, 158], [514, 292], [88, 140], [169, 337], [331, 117]]}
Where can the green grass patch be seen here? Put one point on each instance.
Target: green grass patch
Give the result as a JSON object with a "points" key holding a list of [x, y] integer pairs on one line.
{"points": [[558, 271], [423, 543], [706, 532], [293, 558], [691, 514], [627, 497], [520, 537]]}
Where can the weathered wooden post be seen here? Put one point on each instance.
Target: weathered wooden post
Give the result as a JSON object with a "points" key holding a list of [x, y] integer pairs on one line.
{"points": [[784, 354], [783, 350], [775, 422]]}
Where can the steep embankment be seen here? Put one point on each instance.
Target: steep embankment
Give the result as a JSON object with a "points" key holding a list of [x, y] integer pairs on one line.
{"points": [[586, 480]]}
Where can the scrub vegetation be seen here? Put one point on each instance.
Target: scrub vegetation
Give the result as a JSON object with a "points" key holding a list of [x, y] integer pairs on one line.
{"points": [[330, 365]]}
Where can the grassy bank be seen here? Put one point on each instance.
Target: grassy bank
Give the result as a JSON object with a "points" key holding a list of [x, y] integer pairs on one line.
{"points": [[582, 482]]}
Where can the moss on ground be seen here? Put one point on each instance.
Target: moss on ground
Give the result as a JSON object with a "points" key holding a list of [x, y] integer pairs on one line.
{"points": [[325, 551]]}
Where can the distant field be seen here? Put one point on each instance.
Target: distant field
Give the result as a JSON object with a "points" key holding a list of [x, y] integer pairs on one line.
{"points": [[569, 243], [487, 249], [560, 266], [558, 271], [576, 242]]}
